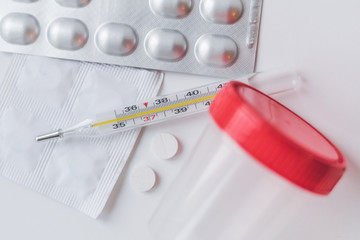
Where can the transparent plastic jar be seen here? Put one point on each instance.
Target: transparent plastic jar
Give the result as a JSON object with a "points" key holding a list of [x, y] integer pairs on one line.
{"points": [[254, 165]]}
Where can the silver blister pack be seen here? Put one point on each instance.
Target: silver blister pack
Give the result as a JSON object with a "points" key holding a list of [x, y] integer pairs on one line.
{"points": [[206, 37]]}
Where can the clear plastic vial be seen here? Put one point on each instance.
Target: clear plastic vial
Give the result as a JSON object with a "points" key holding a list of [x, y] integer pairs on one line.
{"points": [[255, 163]]}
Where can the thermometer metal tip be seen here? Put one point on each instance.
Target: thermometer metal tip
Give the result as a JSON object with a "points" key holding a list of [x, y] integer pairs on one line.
{"points": [[48, 136]]}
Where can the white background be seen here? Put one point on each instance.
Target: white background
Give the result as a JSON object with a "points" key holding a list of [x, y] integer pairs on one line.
{"points": [[321, 38]]}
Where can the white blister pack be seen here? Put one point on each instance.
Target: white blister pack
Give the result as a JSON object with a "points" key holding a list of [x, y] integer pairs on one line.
{"points": [[38, 94], [207, 37]]}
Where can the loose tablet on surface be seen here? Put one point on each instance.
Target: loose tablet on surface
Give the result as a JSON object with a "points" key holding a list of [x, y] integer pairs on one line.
{"points": [[165, 146], [143, 179]]}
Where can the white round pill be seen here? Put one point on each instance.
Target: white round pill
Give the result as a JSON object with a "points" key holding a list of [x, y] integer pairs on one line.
{"points": [[165, 146], [143, 179]]}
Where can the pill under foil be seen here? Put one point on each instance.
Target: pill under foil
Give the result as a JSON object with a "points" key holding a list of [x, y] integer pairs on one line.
{"points": [[216, 50], [116, 39], [222, 12], [67, 34], [171, 8], [19, 28], [166, 44]]}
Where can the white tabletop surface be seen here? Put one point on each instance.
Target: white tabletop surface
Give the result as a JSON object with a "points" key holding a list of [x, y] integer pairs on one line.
{"points": [[322, 40]]}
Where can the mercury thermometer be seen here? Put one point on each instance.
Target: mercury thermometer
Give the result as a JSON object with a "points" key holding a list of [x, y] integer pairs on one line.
{"points": [[163, 108]]}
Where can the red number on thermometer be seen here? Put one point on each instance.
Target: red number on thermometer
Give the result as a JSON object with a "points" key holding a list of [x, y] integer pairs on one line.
{"points": [[148, 118]]}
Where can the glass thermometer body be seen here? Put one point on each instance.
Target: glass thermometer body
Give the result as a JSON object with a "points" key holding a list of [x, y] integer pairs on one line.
{"points": [[167, 107]]}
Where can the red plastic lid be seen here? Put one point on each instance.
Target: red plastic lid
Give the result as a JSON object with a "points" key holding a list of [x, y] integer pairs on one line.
{"points": [[278, 138]]}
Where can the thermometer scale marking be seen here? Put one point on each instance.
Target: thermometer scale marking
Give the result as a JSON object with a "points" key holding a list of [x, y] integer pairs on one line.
{"points": [[180, 103]]}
